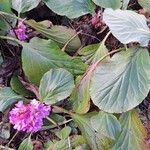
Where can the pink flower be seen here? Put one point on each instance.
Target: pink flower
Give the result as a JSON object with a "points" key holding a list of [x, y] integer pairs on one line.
{"points": [[29, 117], [20, 31]]}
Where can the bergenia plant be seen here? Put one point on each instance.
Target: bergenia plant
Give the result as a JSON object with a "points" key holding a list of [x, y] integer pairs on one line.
{"points": [[75, 74]]}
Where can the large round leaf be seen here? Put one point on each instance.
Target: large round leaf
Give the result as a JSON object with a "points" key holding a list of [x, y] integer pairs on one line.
{"points": [[7, 98], [41, 55], [133, 133], [106, 124], [127, 26], [71, 8], [24, 5], [122, 83], [56, 85], [60, 34], [108, 3]]}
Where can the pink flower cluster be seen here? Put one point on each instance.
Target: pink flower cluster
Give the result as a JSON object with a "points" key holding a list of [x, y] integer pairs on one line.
{"points": [[29, 117], [20, 31]]}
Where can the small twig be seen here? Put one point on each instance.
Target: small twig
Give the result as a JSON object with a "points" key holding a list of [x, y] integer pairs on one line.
{"points": [[63, 49], [29, 86], [57, 109], [53, 122], [54, 126], [11, 38], [12, 138]]}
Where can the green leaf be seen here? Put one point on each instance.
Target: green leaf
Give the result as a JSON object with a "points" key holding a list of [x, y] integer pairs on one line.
{"points": [[60, 34], [64, 133], [7, 98], [95, 140], [115, 4], [127, 26], [63, 144], [6, 7], [81, 96], [145, 4], [71, 8], [26, 144], [106, 124], [18, 87], [87, 52], [22, 6], [122, 83], [56, 85], [40, 55], [133, 133], [83, 147]]}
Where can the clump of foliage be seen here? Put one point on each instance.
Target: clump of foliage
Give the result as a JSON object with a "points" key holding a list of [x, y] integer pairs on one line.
{"points": [[89, 96]]}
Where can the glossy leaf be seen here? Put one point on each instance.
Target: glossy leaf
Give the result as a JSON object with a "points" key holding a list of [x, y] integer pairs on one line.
{"points": [[22, 6], [122, 83], [63, 144], [26, 144], [56, 85], [133, 133], [18, 87], [64, 133], [87, 52], [5, 6], [7, 98], [60, 34], [95, 140], [127, 26], [40, 55], [108, 3], [106, 124], [71, 8], [80, 96]]}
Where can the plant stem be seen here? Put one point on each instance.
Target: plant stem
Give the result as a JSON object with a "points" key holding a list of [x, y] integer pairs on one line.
{"points": [[54, 126], [10, 15], [11, 38], [57, 109], [12, 138], [63, 49]]}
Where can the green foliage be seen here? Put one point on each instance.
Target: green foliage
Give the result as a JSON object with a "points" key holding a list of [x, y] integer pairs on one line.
{"points": [[41, 55], [60, 34], [133, 133], [6, 7], [63, 144], [22, 6], [71, 8], [18, 87], [106, 124], [115, 4], [26, 144], [95, 140], [56, 85], [7, 98], [64, 133], [107, 79], [127, 26], [122, 83]]}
